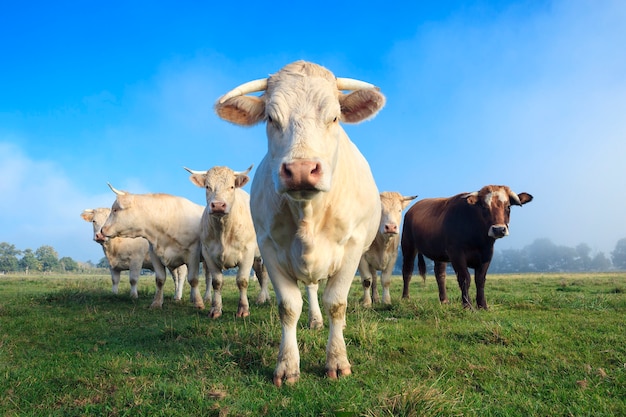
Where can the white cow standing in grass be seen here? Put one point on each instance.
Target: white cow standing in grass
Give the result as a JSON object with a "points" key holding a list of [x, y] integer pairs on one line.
{"points": [[314, 202], [172, 226], [228, 237], [382, 255], [126, 254]]}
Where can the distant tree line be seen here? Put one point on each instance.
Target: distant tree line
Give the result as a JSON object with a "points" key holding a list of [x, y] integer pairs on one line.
{"points": [[43, 260], [544, 256], [540, 256]]}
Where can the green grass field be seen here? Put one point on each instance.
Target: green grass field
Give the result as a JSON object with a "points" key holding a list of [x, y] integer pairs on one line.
{"points": [[550, 345]]}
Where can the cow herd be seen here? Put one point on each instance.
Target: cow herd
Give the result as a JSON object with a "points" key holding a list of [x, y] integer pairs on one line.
{"points": [[314, 214]]}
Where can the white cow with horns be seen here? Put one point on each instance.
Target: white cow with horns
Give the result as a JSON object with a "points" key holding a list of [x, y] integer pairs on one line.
{"points": [[126, 254], [172, 226], [314, 202], [228, 237]]}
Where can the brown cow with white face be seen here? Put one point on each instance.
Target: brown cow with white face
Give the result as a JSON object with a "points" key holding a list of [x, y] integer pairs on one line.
{"points": [[461, 230], [382, 255], [126, 254], [228, 237], [314, 202]]}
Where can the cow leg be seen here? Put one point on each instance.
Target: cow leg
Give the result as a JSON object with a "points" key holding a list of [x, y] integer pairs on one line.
{"points": [[408, 260], [464, 278], [385, 280], [315, 313], [335, 302], [243, 272], [264, 279], [375, 296], [289, 301], [216, 304], [159, 273], [440, 276], [193, 266], [115, 280], [133, 278], [480, 277], [208, 282], [366, 282], [179, 275]]}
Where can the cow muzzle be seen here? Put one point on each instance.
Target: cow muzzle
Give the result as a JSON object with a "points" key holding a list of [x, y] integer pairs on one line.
{"points": [[390, 229], [218, 208], [497, 231], [302, 177]]}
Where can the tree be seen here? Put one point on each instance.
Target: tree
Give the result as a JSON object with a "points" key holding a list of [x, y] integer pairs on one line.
{"points": [[619, 254], [600, 262], [104, 263], [48, 258], [68, 264], [8, 257], [29, 262]]}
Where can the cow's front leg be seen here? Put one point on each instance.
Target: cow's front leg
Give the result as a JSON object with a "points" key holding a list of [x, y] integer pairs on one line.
{"points": [[243, 309], [335, 302], [216, 304], [464, 278], [133, 279], [208, 282], [315, 313], [480, 277], [193, 267], [385, 281], [115, 281], [179, 275], [289, 301]]}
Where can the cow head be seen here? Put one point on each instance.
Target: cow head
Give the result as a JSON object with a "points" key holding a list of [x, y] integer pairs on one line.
{"points": [[220, 184], [392, 204], [302, 106], [495, 202], [122, 220], [97, 217]]}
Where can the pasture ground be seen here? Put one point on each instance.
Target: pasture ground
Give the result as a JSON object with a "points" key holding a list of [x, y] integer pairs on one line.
{"points": [[550, 345]]}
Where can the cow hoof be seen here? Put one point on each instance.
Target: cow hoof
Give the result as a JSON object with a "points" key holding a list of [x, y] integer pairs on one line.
{"points": [[215, 314], [289, 380], [156, 305], [245, 313], [334, 374], [316, 325]]}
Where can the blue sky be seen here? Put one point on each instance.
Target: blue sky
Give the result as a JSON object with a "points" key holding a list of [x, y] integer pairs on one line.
{"points": [[527, 94]]}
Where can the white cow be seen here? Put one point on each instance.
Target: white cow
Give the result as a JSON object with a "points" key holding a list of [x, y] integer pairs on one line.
{"points": [[314, 202], [381, 256], [228, 237], [126, 254], [172, 226]]}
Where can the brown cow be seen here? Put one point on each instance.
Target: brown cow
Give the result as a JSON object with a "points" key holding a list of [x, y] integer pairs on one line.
{"points": [[461, 230]]}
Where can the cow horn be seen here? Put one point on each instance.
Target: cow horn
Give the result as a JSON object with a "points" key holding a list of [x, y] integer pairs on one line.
{"points": [[191, 171], [246, 88], [118, 192], [244, 172], [514, 198], [352, 84]]}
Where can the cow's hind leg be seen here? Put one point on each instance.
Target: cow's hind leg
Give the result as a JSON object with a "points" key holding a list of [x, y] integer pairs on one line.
{"points": [[243, 309], [264, 280], [315, 313]]}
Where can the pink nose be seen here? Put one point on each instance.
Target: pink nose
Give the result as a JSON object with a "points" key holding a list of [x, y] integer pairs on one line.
{"points": [[218, 207], [391, 228], [301, 174], [100, 237]]}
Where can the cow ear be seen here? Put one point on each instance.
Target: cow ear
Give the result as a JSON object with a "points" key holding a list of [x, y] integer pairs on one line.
{"points": [[88, 215], [360, 105], [242, 110], [198, 179], [124, 201], [471, 198], [241, 180], [525, 198]]}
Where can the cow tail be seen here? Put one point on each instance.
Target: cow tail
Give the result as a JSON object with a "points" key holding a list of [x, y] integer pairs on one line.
{"points": [[421, 266]]}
